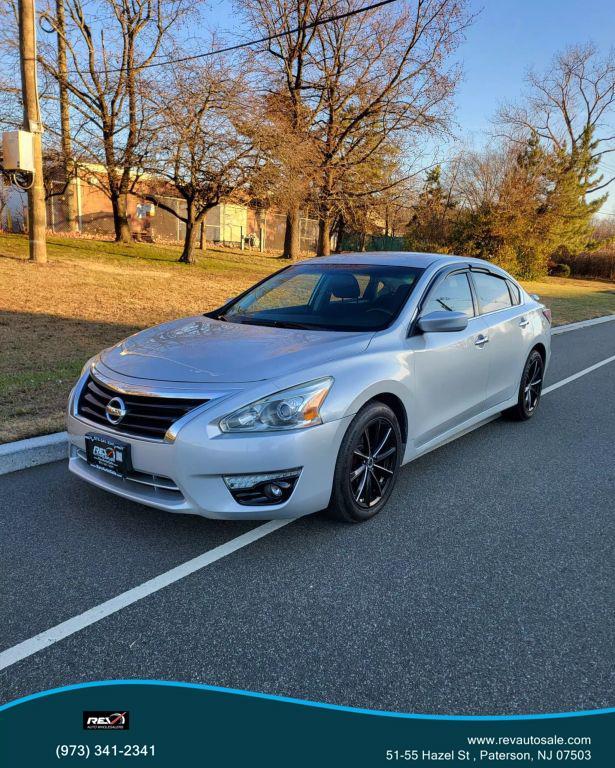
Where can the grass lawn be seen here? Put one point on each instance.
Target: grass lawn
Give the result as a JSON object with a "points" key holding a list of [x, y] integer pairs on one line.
{"points": [[93, 293], [573, 300]]}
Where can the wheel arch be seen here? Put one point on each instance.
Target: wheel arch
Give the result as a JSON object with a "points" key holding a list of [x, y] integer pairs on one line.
{"points": [[542, 351], [396, 405]]}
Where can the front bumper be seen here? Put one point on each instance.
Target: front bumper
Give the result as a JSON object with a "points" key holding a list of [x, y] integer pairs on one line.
{"points": [[187, 474]]}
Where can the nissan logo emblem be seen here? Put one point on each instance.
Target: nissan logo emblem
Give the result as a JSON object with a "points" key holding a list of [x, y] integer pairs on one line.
{"points": [[115, 410]]}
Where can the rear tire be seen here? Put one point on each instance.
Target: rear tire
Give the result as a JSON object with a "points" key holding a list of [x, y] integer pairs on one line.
{"points": [[530, 388], [367, 465]]}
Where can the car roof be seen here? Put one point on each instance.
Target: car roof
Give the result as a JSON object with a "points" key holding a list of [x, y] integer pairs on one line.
{"points": [[393, 258], [398, 258]]}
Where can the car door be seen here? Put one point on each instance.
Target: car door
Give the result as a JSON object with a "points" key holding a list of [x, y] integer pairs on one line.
{"points": [[450, 369], [508, 329]]}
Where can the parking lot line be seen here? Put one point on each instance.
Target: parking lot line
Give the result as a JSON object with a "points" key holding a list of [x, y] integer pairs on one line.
{"points": [[51, 636], [578, 375], [60, 631]]}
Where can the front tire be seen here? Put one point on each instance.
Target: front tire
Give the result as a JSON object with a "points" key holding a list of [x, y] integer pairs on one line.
{"points": [[367, 465], [530, 389]]}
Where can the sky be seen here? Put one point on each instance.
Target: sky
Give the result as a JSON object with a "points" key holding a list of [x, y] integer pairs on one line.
{"points": [[506, 39]]}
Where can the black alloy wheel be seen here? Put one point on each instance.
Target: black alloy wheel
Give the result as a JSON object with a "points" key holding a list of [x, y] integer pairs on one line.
{"points": [[530, 389], [367, 464]]}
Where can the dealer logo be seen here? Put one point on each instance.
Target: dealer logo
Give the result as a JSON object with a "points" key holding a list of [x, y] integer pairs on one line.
{"points": [[100, 452], [106, 721]]}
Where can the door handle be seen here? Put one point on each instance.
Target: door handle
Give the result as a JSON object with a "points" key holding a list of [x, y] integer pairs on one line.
{"points": [[481, 341], [524, 322]]}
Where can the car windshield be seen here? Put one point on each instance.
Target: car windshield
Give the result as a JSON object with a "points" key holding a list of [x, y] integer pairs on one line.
{"points": [[328, 297]]}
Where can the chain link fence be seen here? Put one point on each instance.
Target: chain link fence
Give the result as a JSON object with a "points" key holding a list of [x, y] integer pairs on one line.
{"points": [[275, 226], [355, 241], [225, 224]]}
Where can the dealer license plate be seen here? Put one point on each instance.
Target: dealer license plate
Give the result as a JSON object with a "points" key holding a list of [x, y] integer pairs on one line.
{"points": [[108, 454]]}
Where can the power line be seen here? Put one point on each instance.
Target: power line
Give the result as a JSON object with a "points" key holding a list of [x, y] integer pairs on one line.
{"points": [[276, 36]]}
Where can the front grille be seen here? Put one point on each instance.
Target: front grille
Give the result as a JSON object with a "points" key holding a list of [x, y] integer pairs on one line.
{"points": [[145, 416]]}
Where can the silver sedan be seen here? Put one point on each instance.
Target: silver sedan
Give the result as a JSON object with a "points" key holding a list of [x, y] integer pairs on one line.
{"points": [[310, 390]]}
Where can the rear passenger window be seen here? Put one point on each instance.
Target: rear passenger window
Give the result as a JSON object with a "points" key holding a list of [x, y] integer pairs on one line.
{"points": [[452, 295], [514, 292], [492, 292]]}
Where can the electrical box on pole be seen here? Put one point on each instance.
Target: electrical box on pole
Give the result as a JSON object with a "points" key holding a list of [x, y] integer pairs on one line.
{"points": [[17, 151]]}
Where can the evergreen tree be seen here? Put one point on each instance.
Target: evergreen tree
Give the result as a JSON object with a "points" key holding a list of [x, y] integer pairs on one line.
{"points": [[522, 226], [573, 174], [429, 226]]}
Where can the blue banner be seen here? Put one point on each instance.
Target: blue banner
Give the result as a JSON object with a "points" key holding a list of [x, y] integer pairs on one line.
{"points": [[177, 725]]}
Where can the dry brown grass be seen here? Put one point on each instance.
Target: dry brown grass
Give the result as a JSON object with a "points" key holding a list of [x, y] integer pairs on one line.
{"points": [[573, 300], [54, 317], [92, 293]]}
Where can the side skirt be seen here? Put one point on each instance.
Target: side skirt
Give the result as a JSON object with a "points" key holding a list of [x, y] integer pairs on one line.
{"points": [[470, 425]]}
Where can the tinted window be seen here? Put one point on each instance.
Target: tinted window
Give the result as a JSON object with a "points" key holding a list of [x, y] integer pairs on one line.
{"points": [[452, 295], [297, 293], [514, 292], [362, 280], [492, 292], [334, 297]]}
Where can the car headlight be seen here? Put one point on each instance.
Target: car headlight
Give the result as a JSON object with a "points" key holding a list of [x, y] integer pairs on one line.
{"points": [[292, 408]]}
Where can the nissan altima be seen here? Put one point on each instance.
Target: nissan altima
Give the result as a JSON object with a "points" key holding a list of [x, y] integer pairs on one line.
{"points": [[310, 390]]}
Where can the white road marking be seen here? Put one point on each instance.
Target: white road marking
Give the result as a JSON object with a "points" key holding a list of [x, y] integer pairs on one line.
{"points": [[77, 623], [66, 628], [581, 324], [578, 375]]}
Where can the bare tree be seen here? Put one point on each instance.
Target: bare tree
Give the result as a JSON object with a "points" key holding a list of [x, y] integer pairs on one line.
{"points": [[201, 148], [286, 73], [382, 77], [371, 195], [287, 176], [10, 91], [109, 47], [475, 177], [569, 106], [68, 165], [4, 201]]}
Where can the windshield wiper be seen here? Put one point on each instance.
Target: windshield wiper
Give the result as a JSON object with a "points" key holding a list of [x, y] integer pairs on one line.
{"points": [[243, 320], [446, 306]]}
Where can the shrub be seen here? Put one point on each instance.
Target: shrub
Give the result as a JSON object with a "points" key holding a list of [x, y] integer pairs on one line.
{"points": [[560, 270], [506, 257], [600, 264]]}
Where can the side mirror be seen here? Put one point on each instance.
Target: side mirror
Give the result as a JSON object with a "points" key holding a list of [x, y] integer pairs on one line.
{"points": [[443, 322], [535, 296]]}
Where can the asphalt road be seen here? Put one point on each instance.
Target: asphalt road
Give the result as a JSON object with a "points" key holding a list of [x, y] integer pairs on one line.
{"points": [[486, 587]]}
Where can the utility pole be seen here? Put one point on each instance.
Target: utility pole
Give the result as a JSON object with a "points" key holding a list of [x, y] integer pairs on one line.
{"points": [[71, 212], [37, 217]]}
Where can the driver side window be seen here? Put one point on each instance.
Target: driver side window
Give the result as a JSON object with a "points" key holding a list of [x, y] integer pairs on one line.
{"points": [[452, 295]]}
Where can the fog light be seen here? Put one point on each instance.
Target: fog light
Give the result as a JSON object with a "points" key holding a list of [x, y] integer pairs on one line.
{"points": [[262, 489]]}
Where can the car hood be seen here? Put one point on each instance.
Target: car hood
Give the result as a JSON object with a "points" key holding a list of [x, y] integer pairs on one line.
{"points": [[202, 350]]}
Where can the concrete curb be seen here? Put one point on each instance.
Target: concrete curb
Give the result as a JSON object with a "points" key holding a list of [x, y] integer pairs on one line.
{"points": [[581, 324], [47, 448], [32, 452]]}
